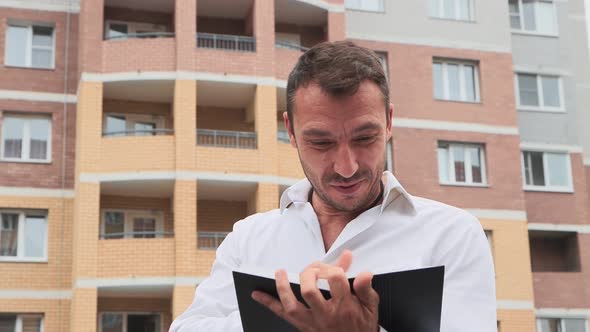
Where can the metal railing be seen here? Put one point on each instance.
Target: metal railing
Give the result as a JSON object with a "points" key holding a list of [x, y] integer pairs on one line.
{"points": [[141, 35], [226, 42], [146, 132], [227, 139], [136, 235], [290, 45], [210, 240], [283, 136]]}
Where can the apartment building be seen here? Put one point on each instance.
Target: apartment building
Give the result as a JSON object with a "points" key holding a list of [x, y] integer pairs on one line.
{"points": [[135, 133]]}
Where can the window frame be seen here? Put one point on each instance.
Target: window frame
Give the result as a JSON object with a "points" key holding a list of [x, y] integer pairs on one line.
{"points": [[547, 173], [441, 10], [131, 120], [27, 138], [540, 95], [561, 322], [29, 45], [125, 317], [128, 214], [20, 246], [349, 6], [451, 165], [462, 84], [535, 32]]}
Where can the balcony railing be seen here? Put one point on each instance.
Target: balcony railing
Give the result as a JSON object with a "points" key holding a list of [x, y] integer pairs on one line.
{"points": [[290, 45], [147, 132], [227, 139], [136, 235], [283, 136], [140, 35], [210, 240], [226, 42]]}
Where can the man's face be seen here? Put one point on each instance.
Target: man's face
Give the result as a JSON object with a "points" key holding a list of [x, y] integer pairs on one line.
{"points": [[341, 143]]}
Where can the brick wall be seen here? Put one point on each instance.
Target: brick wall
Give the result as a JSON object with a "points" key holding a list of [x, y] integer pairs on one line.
{"points": [[55, 312], [309, 35], [219, 118], [43, 175], [219, 216]]}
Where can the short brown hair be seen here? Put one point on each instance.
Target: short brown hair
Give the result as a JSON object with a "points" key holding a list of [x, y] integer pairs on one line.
{"points": [[338, 68]]}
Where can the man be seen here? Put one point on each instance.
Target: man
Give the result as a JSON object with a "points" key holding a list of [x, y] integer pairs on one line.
{"points": [[347, 216]]}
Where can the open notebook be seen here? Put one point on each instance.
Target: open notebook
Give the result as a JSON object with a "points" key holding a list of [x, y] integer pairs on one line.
{"points": [[409, 300]]}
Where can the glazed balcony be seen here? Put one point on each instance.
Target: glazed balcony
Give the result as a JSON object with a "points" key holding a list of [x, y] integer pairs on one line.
{"points": [[138, 36]]}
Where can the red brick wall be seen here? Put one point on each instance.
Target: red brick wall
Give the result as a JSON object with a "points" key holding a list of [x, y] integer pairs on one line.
{"points": [[416, 165], [136, 55], [309, 35], [561, 208], [41, 80], [46, 175], [412, 92]]}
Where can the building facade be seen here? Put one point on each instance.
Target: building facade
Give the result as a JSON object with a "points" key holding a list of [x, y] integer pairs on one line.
{"points": [[135, 133]]}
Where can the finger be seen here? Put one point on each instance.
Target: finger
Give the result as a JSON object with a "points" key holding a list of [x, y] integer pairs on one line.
{"points": [[345, 260], [339, 286], [268, 301], [290, 303], [364, 291], [309, 290]]}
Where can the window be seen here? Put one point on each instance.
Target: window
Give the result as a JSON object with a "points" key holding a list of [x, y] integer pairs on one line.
{"points": [[462, 164], [122, 322], [539, 92], [456, 81], [452, 9], [23, 235], [535, 16], [548, 171], [123, 30], [118, 224], [561, 325], [383, 59], [21, 323], [26, 138], [29, 46], [368, 5], [133, 125]]}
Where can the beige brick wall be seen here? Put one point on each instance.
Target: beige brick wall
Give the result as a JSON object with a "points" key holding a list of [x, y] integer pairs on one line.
{"points": [[516, 321], [55, 313], [219, 216], [56, 272]]}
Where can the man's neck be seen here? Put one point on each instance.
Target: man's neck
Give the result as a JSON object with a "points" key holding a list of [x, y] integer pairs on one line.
{"points": [[333, 221]]}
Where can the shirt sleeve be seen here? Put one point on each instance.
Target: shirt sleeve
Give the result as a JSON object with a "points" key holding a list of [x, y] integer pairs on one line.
{"points": [[469, 293], [215, 306]]}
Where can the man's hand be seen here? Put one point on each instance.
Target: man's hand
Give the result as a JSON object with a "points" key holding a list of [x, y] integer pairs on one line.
{"points": [[343, 312]]}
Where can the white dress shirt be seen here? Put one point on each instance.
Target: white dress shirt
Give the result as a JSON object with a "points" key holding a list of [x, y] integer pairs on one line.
{"points": [[405, 232]]}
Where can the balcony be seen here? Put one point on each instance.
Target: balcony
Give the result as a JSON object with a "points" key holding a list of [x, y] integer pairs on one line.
{"points": [[134, 308], [226, 128], [138, 36], [219, 205], [298, 27], [226, 139], [226, 42], [137, 126]]}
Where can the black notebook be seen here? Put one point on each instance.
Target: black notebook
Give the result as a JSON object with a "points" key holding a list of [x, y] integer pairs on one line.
{"points": [[409, 301]]}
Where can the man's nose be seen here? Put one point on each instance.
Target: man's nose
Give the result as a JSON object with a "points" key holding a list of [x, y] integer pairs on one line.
{"points": [[345, 164]]}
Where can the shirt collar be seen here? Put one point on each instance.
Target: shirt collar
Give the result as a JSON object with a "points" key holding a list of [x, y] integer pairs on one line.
{"points": [[299, 193]]}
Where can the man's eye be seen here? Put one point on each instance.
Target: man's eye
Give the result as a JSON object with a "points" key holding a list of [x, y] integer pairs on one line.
{"points": [[364, 139], [321, 143]]}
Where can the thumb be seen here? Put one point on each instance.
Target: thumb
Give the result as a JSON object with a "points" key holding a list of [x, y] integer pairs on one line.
{"points": [[364, 291]]}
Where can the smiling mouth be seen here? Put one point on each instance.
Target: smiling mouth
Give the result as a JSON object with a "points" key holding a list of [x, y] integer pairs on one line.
{"points": [[347, 188]]}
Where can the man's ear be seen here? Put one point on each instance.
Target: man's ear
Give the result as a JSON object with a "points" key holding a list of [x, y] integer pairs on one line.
{"points": [[389, 120], [288, 126]]}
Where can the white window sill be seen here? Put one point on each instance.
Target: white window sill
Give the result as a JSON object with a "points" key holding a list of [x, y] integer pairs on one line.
{"points": [[25, 161], [366, 10], [463, 184], [533, 33], [27, 67], [22, 260], [476, 102], [456, 20], [540, 109], [549, 189]]}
